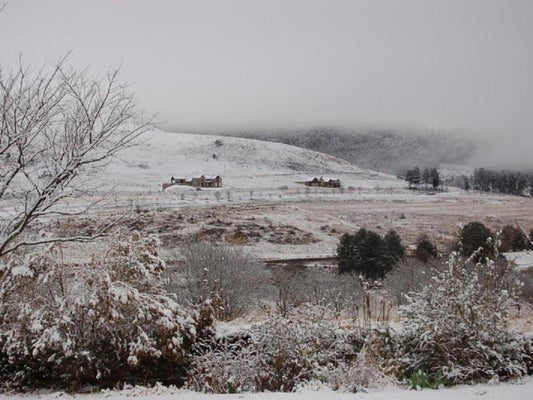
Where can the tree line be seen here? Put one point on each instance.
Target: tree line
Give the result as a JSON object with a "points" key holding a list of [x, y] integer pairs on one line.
{"points": [[509, 182], [372, 255]]}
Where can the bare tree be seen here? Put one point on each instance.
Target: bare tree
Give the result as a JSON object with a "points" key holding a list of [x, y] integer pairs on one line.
{"points": [[410, 275], [225, 276], [56, 126]]}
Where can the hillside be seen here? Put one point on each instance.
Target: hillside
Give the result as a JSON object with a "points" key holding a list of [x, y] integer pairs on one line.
{"points": [[242, 163], [386, 151]]}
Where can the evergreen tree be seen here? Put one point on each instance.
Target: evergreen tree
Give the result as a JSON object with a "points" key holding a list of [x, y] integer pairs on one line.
{"points": [[512, 239], [416, 176], [394, 245], [426, 178], [425, 249], [366, 253], [409, 177], [346, 253], [474, 236], [466, 183], [434, 177]]}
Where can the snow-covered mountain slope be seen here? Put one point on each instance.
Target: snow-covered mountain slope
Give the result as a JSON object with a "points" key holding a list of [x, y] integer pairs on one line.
{"points": [[242, 163]]}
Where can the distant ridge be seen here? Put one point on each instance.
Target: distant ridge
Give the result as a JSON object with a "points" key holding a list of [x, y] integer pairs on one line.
{"points": [[381, 150]]}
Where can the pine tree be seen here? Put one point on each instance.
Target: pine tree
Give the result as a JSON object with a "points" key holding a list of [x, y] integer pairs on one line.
{"points": [[512, 239], [426, 178], [434, 177], [365, 253], [476, 237], [425, 249], [416, 176], [394, 245]]}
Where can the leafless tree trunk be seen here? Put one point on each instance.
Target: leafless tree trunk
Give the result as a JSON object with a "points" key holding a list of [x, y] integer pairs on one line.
{"points": [[56, 126]]}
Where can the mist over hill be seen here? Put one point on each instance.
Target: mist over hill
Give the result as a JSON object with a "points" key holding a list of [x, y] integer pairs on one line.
{"points": [[382, 150]]}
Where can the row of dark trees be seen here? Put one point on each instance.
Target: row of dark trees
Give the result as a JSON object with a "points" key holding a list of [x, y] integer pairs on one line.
{"points": [[428, 177], [476, 237], [510, 182], [372, 255]]}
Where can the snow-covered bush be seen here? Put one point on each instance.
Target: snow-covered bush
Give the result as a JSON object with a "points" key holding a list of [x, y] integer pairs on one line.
{"points": [[455, 328], [410, 275], [103, 323], [231, 280], [278, 355]]}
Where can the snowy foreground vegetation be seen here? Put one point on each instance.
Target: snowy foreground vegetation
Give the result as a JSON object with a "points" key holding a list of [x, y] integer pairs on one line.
{"points": [[115, 322]]}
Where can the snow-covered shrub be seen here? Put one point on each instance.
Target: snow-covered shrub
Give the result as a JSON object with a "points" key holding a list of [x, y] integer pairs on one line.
{"points": [[278, 355], [231, 280], [410, 275], [357, 375], [455, 328], [104, 323]]}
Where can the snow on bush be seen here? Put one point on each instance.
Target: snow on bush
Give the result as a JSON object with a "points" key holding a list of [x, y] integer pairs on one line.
{"points": [[455, 328], [230, 279], [105, 323], [282, 355]]}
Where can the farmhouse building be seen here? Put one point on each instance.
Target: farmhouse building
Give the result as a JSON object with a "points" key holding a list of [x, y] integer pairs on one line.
{"points": [[178, 181], [208, 182], [200, 182], [321, 182]]}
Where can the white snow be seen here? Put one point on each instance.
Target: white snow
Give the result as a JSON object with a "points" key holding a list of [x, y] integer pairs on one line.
{"points": [[522, 259], [242, 163], [516, 390]]}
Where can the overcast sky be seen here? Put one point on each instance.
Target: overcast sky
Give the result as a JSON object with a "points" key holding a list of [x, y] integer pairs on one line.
{"points": [[234, 64]]}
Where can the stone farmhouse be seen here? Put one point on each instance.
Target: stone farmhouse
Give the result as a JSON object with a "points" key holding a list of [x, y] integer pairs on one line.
{"points": [[321, 182], [199, 182]]}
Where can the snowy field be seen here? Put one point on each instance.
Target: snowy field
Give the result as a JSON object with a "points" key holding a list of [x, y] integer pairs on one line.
{"points": [[522, 390], [242, 163], [262, 186]]}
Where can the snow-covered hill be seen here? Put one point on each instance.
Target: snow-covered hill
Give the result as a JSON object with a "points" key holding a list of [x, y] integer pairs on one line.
{"points": [[242, 163]]}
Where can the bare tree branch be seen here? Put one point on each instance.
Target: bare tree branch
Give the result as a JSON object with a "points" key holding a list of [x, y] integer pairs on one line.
{"points": [[56, 125], [102, 232]]}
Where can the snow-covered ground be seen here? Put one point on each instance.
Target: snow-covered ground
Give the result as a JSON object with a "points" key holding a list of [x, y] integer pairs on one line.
{"points": [[522, 390], [522, 259], [242, 163]]}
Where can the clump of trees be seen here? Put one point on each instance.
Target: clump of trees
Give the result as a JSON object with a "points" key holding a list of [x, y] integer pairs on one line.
{"points": [[429, 177], [478, 241], [510, 182], [368, 253]]}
